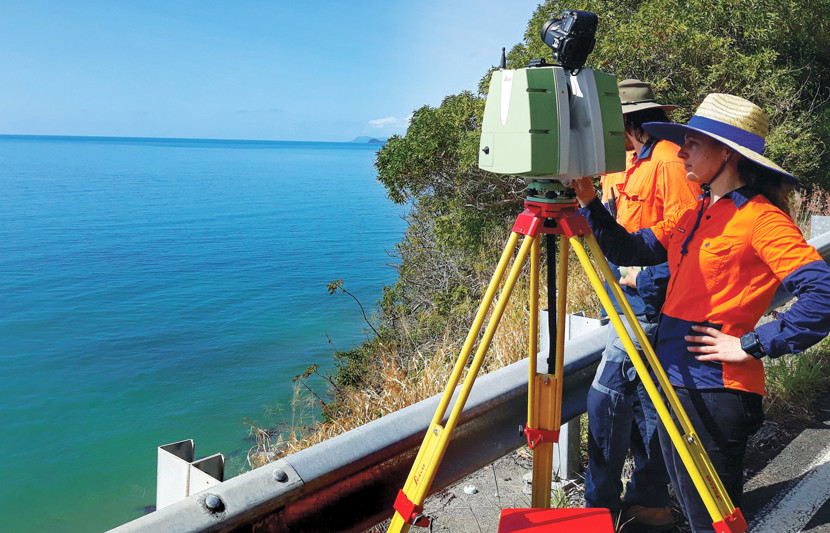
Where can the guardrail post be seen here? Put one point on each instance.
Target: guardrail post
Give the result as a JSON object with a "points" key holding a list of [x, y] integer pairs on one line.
{"points": [[819, 225], [178, 475]]}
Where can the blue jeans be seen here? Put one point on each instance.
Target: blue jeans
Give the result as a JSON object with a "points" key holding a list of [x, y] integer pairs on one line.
{"points": [[724, 420], [621, 416]]}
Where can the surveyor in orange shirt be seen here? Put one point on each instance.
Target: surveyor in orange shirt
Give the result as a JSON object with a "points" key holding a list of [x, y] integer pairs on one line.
{"points": [[620, 414], [727, 255]]}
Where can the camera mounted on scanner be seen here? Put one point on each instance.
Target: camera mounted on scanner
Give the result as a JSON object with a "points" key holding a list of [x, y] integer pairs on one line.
{"points": [[554, 123], [571, 37]]}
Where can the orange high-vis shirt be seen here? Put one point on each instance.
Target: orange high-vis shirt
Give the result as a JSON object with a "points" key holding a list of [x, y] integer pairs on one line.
{"points": [[734, 262], [610, 181], [654, 188], [726, 261]]}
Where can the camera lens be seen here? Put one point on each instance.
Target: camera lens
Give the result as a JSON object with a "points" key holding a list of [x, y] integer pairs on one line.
{"points": [[571, 37], [549, 36]]}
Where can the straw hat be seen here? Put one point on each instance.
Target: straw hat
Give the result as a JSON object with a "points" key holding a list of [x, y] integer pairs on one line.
{"points": [[636, 95], [734, 121]]}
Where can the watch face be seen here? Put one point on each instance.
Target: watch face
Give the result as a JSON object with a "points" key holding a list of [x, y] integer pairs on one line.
{"points": [[750, 343]]}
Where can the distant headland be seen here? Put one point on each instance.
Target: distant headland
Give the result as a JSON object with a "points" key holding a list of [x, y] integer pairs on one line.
{"points": [[370, 140]]}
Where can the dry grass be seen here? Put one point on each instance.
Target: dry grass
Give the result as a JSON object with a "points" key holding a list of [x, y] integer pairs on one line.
{"points": [[794, 383], [804, 204], [396, 382]]}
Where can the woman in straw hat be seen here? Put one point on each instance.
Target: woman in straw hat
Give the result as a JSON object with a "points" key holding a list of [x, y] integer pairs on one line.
{"points": [[727, 256], [622, 420]]}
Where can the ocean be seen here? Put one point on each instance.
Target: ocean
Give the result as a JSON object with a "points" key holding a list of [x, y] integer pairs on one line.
{"points": [[156, 290]]}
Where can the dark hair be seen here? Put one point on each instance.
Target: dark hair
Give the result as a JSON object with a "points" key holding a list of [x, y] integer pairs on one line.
{"points": [[634, 121], [767, 182]]}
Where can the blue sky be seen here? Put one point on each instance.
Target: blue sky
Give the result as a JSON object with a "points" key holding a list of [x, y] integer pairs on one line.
{"points": [[280, 70]]}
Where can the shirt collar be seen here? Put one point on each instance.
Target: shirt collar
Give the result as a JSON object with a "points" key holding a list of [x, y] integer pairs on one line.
{"points": [[647, 149], [741, 195]]}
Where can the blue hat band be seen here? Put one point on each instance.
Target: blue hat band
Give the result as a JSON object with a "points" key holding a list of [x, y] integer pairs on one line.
{"points": [[727, 131]]}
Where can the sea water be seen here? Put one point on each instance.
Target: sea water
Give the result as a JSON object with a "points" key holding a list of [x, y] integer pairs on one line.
{"points": [[155, 290]]}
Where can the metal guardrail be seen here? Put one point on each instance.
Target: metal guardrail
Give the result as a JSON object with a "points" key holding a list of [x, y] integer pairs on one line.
{"points": [[349, 482]]}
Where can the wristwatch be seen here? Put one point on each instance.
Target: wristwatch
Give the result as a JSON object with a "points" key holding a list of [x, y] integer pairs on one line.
{"points": [[751, 344]]}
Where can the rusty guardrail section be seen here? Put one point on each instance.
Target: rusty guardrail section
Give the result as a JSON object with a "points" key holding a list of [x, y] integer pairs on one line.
{"points": [[349, 482]]}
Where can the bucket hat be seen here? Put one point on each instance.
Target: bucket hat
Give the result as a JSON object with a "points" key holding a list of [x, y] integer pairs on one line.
{"points": [[636, 95], [732, 120]]}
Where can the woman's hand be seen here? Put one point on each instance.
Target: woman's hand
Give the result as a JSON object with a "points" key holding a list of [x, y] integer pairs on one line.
{"points": [[717, 346], [584, 188], [630, 278]]}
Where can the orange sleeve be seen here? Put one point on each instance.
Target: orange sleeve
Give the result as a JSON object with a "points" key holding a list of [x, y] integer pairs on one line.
{"points": [[663, 229], [779, 243]]}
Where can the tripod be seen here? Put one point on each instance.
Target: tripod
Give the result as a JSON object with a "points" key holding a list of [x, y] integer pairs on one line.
{"points": [[551, 210]]}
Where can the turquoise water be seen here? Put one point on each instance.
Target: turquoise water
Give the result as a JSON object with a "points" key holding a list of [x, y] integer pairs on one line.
{"points": [[154, 290]]}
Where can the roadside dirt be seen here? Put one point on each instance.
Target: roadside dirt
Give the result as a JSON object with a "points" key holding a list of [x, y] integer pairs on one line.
{"points": [[473, 505]]}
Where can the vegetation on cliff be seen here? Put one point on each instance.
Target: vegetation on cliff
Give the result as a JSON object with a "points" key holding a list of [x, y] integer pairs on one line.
{"points": [[460, 216]]}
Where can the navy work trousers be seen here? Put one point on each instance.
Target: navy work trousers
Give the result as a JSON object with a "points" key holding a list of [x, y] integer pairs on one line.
{"points": [[723, 419], [621, 416]]}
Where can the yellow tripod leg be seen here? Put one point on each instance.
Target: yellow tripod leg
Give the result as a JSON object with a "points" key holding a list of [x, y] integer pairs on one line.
{"points": [[437, 438], [545, 414], [545, 390], [540, 397], [688, 445], [537, 416]]}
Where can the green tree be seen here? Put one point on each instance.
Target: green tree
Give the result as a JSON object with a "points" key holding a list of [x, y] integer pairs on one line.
{"points": [[456, 208], [773, 52], [762, 50]]}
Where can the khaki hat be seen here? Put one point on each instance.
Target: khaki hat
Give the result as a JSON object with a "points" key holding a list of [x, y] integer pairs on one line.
{"points": [[732, 120], [636, 95]]}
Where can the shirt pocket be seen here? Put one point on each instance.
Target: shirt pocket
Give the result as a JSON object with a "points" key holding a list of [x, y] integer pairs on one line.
{"points": [[714, 263], [630, 212]]}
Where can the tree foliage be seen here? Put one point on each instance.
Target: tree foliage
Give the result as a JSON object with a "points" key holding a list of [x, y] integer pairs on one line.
{"points": [[456, 208], [763, 50], [436, 162], [773, 52]]}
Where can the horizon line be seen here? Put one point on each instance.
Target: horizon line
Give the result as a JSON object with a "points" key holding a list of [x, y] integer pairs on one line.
{"points": [[99, 137]]}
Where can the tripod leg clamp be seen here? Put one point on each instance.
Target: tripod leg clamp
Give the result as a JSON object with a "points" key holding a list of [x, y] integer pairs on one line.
{"points": [[411, 513], [734, 523], [537, 436]]}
